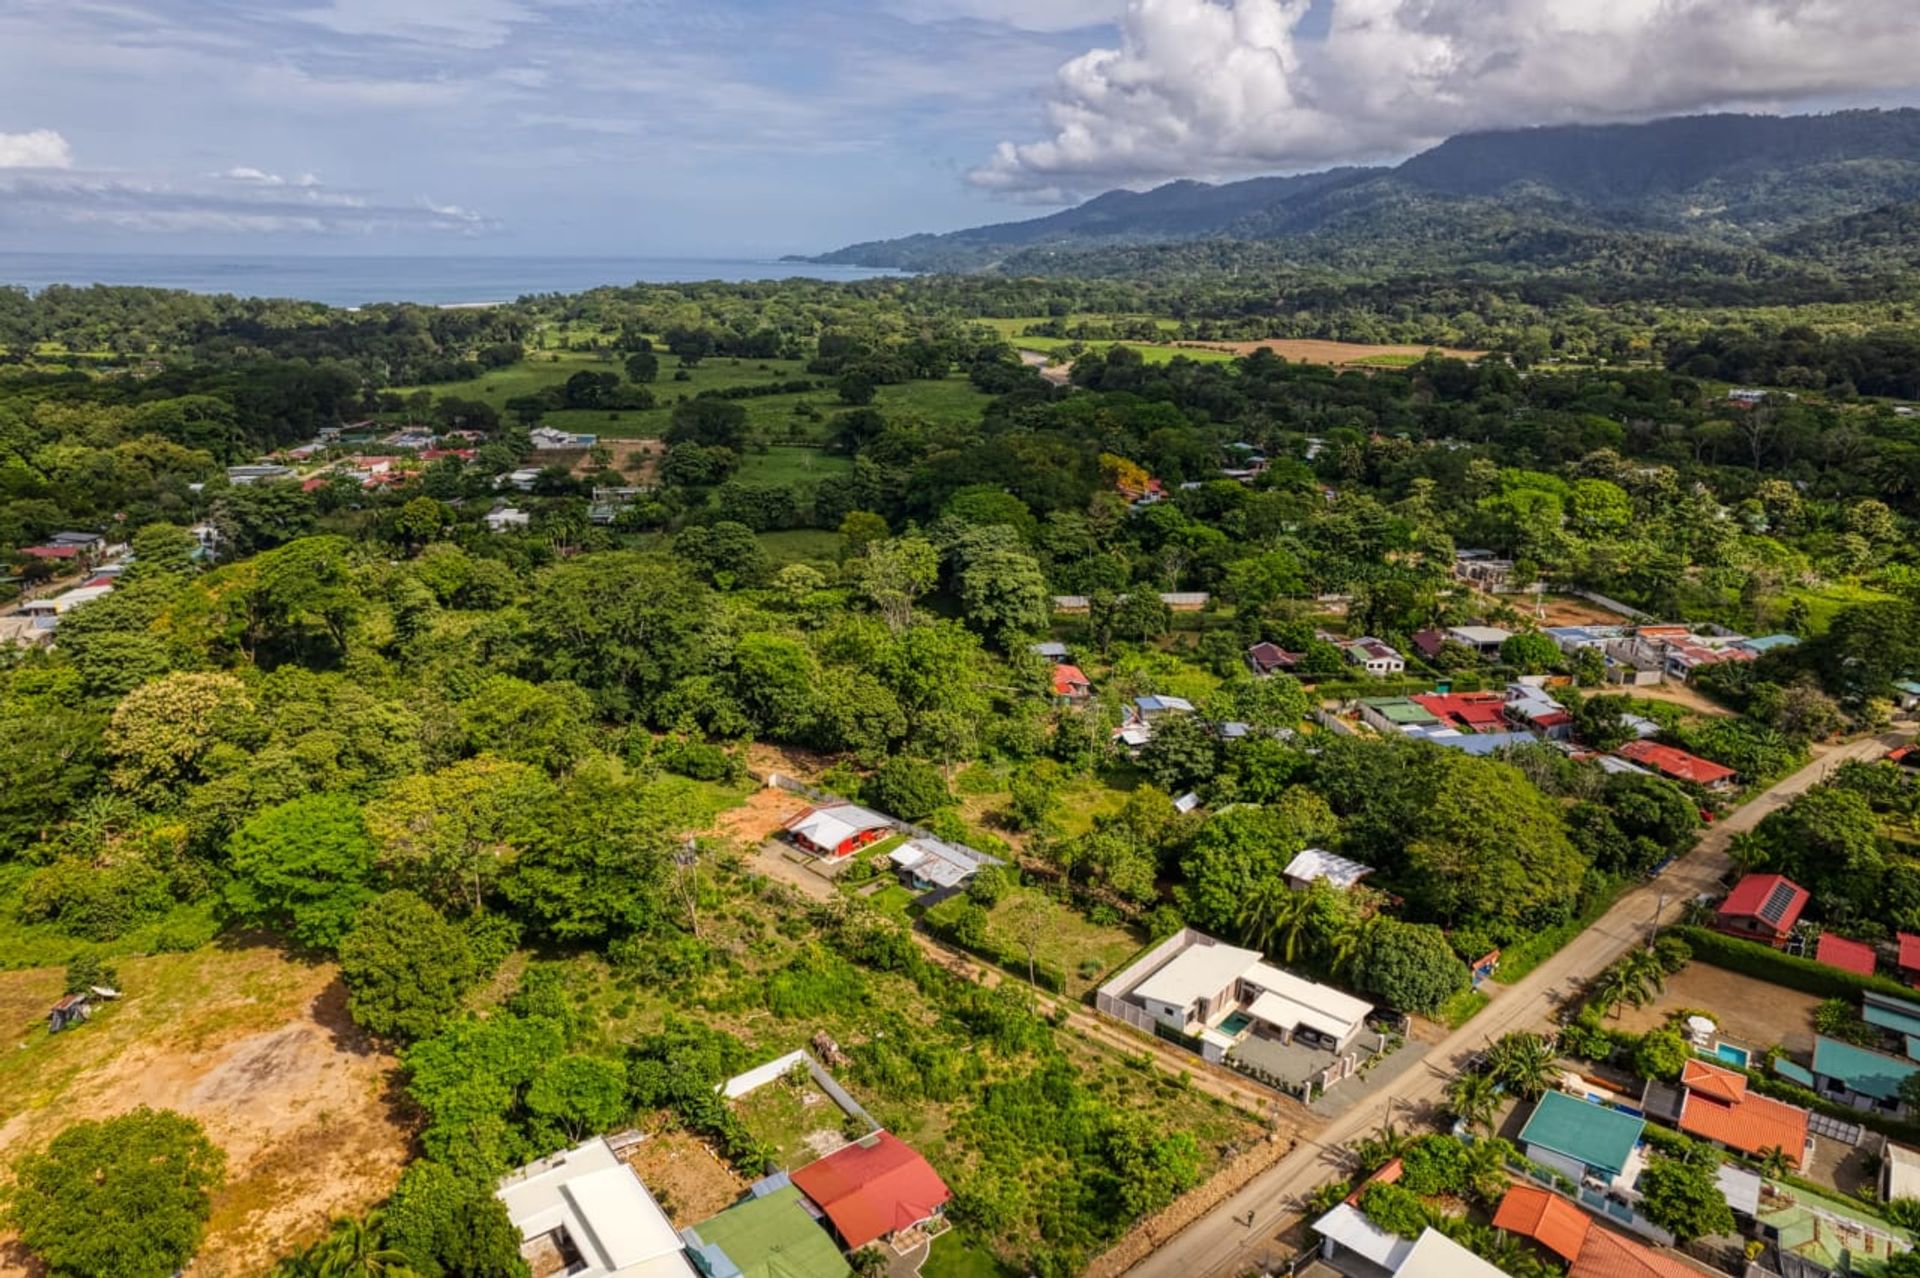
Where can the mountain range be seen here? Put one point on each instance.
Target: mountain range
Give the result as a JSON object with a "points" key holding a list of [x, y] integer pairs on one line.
{"points": [[1836, 192]]}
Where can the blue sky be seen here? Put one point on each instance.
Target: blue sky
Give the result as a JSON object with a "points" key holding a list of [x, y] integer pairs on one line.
{"points": [[747, 127]]}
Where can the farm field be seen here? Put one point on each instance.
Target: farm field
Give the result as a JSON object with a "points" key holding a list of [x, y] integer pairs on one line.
{"points": [[1152, 353], [1338, 354], [790, 464], [258, 1048]]}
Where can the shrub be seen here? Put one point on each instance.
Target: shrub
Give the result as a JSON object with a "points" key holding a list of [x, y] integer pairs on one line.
{"points": [[1752, 959]]}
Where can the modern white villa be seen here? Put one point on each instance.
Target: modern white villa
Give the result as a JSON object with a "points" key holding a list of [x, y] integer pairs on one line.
{"points": [[1238, 1008]]}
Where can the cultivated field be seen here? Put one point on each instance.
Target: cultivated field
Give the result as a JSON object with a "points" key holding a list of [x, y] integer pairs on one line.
{"points": [[1338, 354], [255, 1046]]}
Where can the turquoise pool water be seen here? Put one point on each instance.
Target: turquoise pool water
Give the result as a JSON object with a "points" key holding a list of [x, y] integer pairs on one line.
{"points": [[1732, 1055], [1235, 1023]]}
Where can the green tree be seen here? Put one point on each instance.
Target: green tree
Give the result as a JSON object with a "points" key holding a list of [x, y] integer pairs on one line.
{"points": [[162, 733], [893, 574], [1661, 1054], [1530, 652], [1182, 753], [1474, 1099], [1523, 1064], [124, 1198], [305, 867], [626, 627], [449, 834], [579, 1095], [910, 789], [419, 522], [405, 967], [1682, 1197], [452, 1227], [1409, 965]]}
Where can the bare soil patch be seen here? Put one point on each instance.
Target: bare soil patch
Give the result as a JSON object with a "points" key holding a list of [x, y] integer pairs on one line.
{"points": [[1680, 694], [762, 816], [1338, 354], [637, 459], [255, 1046], [690, 1182], [1752, 1013], [1565, 610]]}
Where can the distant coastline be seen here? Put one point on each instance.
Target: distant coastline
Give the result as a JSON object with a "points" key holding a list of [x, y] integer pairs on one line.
{"points": [[365, 281]]}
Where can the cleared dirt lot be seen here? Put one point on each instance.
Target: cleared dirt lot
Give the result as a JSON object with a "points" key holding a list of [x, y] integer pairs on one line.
{"points": [[690, 1182], [1338, 354], [255, 1046], [1752, 1013], [1565, 610]]}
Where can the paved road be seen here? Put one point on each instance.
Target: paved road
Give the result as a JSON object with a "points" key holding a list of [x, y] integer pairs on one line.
{"points": [[1223, 1243]]}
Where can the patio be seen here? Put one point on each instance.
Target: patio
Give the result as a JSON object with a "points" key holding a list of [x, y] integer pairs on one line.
{"points": [[1291, 1063]]}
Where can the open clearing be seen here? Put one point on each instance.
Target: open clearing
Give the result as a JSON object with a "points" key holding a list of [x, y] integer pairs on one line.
{"points": [[255, 1046], [1338, 354], [1753, 1013], [1568, 610]]}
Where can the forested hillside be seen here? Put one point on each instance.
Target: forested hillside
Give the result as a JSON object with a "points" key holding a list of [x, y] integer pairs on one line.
{"points": [[1709, 190]]}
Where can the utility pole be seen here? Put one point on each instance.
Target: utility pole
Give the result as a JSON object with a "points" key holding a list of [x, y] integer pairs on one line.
{"points": [[1659, 908]]}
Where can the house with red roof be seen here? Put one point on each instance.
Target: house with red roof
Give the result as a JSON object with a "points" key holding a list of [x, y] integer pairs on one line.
{"points": [[1909, 957], [1266, 658], [1716, 1106], [1467, 711], [1070, 683], [1590, 1250], [51, 552], [1762, 907], [1849, 956], [1678, 765], [873, 1189]]}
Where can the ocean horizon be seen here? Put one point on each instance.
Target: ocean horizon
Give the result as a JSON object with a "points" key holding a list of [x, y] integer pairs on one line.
{"points": [[427, 281]]}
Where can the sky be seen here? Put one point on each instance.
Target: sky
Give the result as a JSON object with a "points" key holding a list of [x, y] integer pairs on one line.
{"points": [[759, 127]]}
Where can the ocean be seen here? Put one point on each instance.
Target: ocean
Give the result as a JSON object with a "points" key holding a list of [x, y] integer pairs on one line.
{"points": [[430, 281]]}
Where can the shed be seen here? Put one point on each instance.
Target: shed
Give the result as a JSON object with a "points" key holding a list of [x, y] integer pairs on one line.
{"points": [[1315, 864], [1762, 907]]}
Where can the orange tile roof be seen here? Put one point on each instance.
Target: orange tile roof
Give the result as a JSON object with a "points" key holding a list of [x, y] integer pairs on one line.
{"points": [[1608, 1255], [1547, 1218], [1721, 1084], [1750, 1123]]}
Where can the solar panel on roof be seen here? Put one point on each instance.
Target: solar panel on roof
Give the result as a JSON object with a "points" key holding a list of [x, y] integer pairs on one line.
{"points": [[1777, 902]]}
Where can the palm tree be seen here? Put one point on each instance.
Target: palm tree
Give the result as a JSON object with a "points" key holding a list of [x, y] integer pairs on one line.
{"points": [[1274, 918], [1485, 1169], [1474, 1099], [355, 1250], [1611, 988], [1748, 852], [1375, 1152], [1648, 974], [1523, 1064], [1774, 1162]]}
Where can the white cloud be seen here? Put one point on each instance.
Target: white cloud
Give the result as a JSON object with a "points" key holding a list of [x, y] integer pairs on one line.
{"points": [[462, 24], [240, 201], [39, 149], [1024, 15], [1211, 88]]}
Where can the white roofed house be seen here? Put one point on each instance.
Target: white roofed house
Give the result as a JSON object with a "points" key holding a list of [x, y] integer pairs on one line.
{"points": [[585, 1214], [1315, 865], [838, 829], [1243, 1010], [933, 864], [1375, 657]]}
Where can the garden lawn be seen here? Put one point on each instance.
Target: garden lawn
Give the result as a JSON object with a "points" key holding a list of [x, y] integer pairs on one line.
{"points": [[788, 464]]}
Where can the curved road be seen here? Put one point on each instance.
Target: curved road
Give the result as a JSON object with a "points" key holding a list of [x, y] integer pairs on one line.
{"points": [[1225, 1243]]}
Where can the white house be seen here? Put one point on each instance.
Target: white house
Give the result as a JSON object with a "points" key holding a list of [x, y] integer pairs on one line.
{"points": [[1205, 985], [585, 1214], [1374, 656], [1485, 640], [505, 518], [1347, 1235], [547, 438]]}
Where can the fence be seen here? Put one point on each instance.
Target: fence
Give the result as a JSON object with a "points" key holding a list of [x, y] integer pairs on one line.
{"points": [[1613, 605], [760, 1075], [1110, 999]]}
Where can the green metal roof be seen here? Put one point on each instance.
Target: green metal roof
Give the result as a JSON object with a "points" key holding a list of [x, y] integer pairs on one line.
{"points": [[1400, 710], [1890, 1013], [1599, 1137], [1859, 1070], [1793, 1073], [774, 1237]]}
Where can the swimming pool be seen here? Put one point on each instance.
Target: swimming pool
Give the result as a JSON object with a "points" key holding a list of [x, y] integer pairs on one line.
{"points": [[1732, 1055], [1232, 1026]]}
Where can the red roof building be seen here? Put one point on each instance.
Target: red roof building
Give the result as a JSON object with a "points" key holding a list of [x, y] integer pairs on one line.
{"points": [[1762, 907], [1550, 1220], [51, 552], [1071, 682], [1848, 956], [1678, 765], [1909, 956], [1468, 711], [873, 1188], [1717, 1106], [1568, 1232], [1265, 658]]}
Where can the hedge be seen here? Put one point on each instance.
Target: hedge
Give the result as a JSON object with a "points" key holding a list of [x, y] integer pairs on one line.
{"points": [[1749, 958]]}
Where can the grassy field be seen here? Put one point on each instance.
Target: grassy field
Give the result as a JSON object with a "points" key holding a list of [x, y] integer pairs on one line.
{"points": [[1149, 353], [1082, 949], [790, 464], [815, 546], [253, 1044], [1826, 600]]}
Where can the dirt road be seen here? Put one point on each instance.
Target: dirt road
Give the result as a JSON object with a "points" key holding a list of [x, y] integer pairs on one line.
{"points": [[1223, 1243]]}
